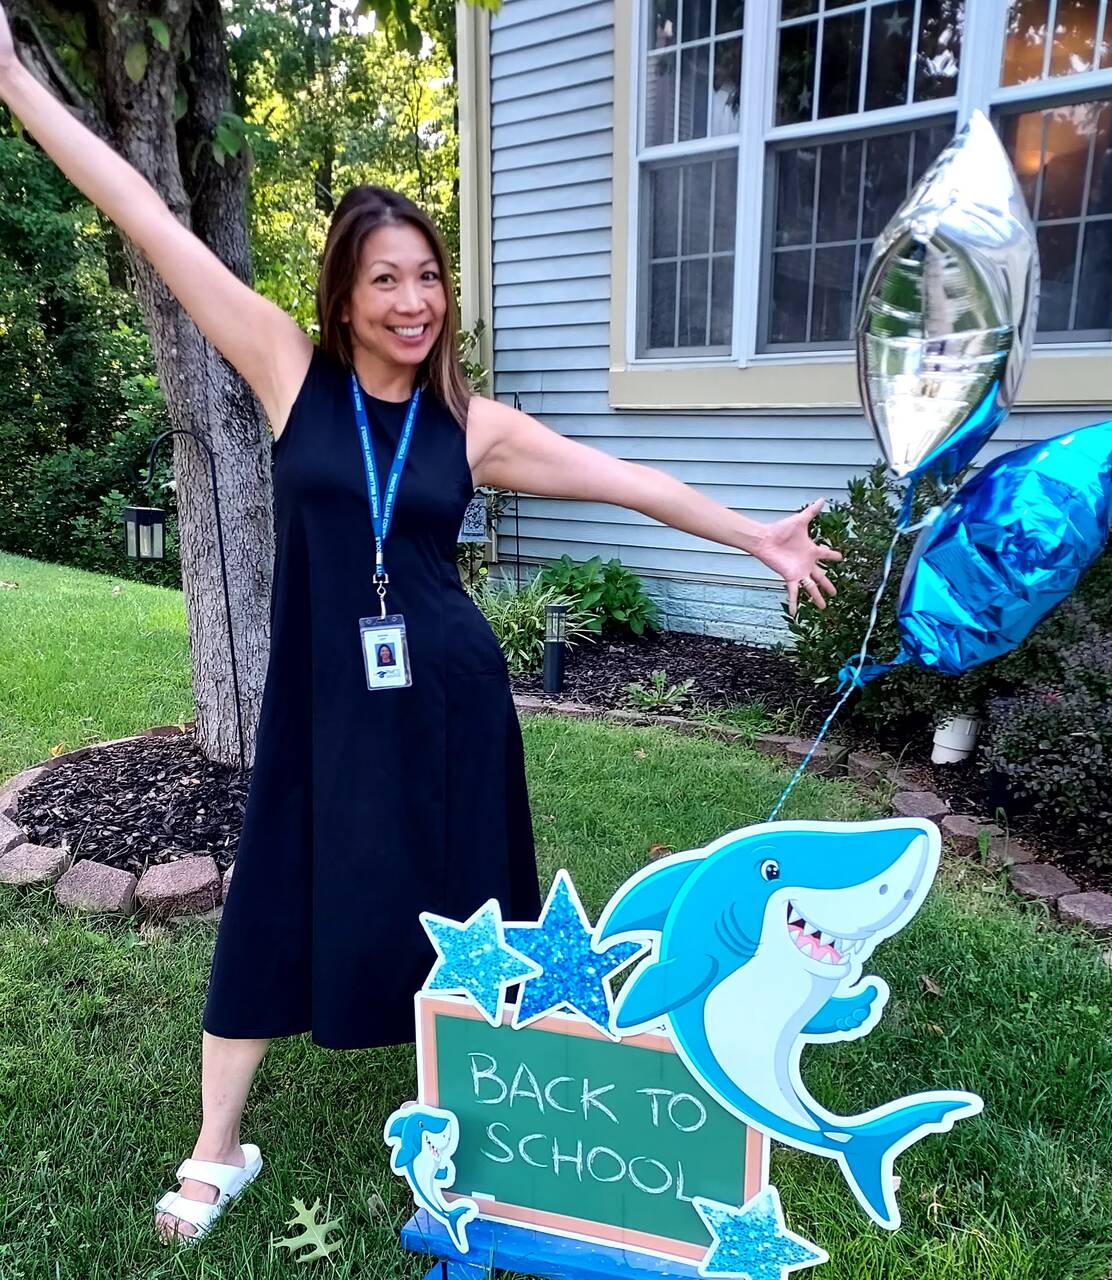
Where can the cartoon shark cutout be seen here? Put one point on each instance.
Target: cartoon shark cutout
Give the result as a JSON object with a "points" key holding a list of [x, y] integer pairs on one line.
{"points": [[423, 1140], [760, 942]]}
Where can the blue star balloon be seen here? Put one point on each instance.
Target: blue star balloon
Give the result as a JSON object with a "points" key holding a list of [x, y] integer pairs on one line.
{"points": [[1003, 552], [473, 959], [573, 973], [753, 1241]]}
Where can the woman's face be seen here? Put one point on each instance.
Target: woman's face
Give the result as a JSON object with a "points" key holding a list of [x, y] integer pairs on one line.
{"points": [[397, 305]]}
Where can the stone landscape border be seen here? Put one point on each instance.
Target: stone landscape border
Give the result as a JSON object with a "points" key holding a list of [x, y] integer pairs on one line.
{"points": [[191, 887]]}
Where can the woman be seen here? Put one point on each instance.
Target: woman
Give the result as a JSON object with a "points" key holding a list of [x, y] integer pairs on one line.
{"points": [[369, 803]]}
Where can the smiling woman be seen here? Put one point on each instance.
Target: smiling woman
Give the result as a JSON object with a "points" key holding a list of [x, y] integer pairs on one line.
{"points": [[380, 789]]}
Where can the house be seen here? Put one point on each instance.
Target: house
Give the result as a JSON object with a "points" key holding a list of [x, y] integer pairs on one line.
{"points": [[667, 206]]}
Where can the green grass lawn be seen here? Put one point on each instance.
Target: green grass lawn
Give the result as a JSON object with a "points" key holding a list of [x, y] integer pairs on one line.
{"points": [[99, 1028]]}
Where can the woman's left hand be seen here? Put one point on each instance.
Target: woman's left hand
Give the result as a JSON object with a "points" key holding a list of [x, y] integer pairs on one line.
{"points": [[787, 547]]}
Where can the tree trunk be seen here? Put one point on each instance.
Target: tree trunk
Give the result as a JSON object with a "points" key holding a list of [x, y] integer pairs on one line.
{"points": [[203, 393]]}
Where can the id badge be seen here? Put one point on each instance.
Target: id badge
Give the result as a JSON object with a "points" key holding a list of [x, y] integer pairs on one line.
{"points": [[385, 652]]}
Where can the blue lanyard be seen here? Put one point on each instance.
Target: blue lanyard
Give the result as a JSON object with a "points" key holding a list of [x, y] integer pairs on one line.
{"points": [[382, 512]]}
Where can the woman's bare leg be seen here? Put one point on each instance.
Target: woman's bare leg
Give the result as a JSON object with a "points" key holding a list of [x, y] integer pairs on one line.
{"points": [[227, 1069]]}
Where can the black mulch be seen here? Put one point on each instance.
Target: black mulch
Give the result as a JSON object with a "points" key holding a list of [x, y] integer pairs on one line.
{"points": [[725, 674], [136, 804], [144, 802]]}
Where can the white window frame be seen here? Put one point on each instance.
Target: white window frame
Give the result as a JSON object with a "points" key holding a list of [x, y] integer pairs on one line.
{"points": [[829, 377]]}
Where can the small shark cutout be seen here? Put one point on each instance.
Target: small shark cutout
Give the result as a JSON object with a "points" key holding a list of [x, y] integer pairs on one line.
{"points": [[759, 947], [422, 1141]]}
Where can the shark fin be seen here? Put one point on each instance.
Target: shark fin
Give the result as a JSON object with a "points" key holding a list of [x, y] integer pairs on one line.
{"points": [[658, 988], [868, 1157], [644, 906]]}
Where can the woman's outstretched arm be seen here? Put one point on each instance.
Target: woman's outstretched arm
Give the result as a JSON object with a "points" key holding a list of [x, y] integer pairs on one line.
{"points": [[510, 449], [256, 337]]}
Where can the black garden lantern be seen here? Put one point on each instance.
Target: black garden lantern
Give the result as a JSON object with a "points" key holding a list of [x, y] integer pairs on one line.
{"points": [[145, 539], [144, 533], [555, 637]]}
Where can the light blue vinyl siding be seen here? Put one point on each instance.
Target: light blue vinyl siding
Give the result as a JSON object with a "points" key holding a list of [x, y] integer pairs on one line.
{"points": [[551, 95]]}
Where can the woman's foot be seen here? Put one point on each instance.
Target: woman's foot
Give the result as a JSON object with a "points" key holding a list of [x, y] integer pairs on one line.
{"points": [[166, 1224]]}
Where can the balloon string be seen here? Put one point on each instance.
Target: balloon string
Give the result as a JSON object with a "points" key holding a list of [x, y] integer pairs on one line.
{"points": [[851, 672]]}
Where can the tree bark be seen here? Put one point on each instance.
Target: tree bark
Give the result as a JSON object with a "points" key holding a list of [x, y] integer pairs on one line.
{"points": [[203, 393]]}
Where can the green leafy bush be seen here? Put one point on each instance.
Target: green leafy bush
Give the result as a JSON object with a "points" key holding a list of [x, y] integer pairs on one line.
{"points": [[516, 616], [611, 596], [909, 698], [1052, 740]]}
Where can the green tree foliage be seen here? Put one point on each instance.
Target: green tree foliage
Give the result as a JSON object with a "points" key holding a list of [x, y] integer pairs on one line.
{"points": [[330, 101], [79, 402]]}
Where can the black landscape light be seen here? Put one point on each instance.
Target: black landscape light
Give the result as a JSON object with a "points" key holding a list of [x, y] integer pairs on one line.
{"points": [[555, 637], [144, 539]]}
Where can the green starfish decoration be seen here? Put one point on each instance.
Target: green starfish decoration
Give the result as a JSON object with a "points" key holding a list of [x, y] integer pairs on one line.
{"points": [[315, 1234]]}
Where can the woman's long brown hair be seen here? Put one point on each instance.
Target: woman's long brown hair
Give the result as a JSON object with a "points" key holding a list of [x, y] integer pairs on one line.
{"points": [[361, 211]]}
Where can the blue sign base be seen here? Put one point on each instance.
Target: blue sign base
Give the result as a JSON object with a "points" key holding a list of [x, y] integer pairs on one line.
{"points": [[522, 1249]]}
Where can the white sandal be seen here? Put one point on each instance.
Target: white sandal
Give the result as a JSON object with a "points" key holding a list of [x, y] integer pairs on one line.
{"points": [[228, 1179]]}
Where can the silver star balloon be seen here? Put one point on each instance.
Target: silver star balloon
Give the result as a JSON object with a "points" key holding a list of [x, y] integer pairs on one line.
{"points": [[948, 309]]}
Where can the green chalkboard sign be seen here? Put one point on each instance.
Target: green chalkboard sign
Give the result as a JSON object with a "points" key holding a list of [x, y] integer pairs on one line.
{"points": [[569, 1131]]}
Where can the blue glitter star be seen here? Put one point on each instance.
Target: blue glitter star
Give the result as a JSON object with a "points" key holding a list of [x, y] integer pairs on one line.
{"points": [[753, 1241], [574, 974], [474, 959]]}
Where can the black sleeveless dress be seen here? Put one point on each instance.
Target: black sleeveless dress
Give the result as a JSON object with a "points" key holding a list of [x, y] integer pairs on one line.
{"points": [[368, 808]]}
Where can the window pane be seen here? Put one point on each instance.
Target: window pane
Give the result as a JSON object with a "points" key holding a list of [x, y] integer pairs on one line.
{"points": [[926, 145], [693, 303], [798, 8], [1026, 40], [1100, 184], [795, 83], [939, 55], [729, 16], [726, 100], [662, 305], [832, 307], [1057, 257], [886, 180], [694, 79], [889, 55], [695, 203], [1105, 50], [721, 302], [696, 19], [839, 191], [843, 39], [725, 204], [1022, 136], [1069, 132], [795, 195], [1094, 289], [664, 207], [660, 100], [663, 27], [1075, 31], [791, 272]]}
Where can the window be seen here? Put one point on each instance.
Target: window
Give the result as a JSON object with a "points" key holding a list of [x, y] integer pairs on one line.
{"points": [[776, 140]]}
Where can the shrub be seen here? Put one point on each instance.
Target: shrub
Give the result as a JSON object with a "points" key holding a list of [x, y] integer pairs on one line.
{"points": [[516, 616], [612, 597], [909, 698]]}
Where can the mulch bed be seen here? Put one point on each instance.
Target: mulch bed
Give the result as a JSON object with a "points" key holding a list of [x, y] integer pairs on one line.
{"points": [[136, 804], [725, 674]]}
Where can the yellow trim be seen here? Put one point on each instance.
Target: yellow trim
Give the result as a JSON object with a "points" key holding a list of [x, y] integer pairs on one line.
{"points": [[1053, 379], [475, 173]]}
